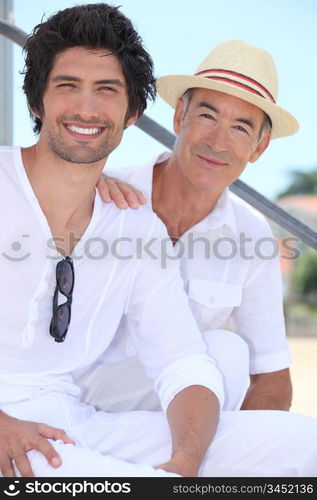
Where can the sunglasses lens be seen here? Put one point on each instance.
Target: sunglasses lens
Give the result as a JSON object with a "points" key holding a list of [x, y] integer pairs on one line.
{"points": [[65, 277], [60, 321]]}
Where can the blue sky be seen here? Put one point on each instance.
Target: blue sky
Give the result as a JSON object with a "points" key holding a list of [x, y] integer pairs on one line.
{"points": [[179, 34]]}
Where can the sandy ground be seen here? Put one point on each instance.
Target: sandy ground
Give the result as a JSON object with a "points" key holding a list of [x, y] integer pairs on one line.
{"points": [[304, 374]]}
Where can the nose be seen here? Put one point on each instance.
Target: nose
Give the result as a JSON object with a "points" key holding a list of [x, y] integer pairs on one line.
{"points": [[87, 104], [218, 138]]}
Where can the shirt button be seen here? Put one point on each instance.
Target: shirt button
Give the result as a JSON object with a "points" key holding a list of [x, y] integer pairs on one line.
{"points": [[33, 323], [211, 300], [47, 278]]}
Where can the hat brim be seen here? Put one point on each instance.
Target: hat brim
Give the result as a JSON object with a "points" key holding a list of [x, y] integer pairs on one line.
{"points": [[172, 87]]}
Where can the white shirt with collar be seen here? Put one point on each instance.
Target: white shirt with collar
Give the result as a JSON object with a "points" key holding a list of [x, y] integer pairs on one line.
{"points": [[231, 272], [113, 282]]}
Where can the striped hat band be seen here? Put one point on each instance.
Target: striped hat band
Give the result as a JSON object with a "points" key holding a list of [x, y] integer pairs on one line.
{"points": [[234, 78]]}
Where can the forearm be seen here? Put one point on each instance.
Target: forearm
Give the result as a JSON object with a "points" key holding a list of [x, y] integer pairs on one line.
{"points": [[269, 391], [193, 417]]}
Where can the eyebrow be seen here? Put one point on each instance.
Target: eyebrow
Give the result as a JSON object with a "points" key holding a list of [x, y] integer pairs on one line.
{"points": [[68, 78], [246, 121], [204, 104]]}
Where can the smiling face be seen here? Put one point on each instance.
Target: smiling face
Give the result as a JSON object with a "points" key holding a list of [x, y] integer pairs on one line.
{"points": [[85, 106], [218, 135]]}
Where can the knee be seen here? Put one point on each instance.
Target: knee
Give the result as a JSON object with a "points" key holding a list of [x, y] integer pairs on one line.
{"points": [[236, 345], [42, 468], [227, 344]]}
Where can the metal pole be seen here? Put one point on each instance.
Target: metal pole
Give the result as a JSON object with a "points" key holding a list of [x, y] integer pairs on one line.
{"points": [[6, 79]]}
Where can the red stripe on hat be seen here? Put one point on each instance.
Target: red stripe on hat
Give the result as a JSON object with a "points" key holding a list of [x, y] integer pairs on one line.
{"points": [[237, 84], [233, 73]]}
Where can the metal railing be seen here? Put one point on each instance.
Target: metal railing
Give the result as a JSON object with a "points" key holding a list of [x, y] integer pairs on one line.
{"points": [[240, 188]]}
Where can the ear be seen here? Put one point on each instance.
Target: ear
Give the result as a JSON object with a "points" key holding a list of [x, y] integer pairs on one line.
{"points": [[261, 147], [131, 120], [36, 114], [178, 115]]}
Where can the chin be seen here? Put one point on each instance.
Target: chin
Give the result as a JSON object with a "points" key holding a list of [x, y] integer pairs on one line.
{"points": [[203, 181]]}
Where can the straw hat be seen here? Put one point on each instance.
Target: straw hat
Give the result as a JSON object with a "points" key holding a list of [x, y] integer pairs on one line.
{"points": [[238, 69]]}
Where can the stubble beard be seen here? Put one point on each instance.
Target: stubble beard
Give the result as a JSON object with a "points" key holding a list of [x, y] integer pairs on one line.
{"points": [[85, 153]]}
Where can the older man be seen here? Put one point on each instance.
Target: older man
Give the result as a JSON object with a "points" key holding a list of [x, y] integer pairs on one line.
{"points": [[225, 116]]}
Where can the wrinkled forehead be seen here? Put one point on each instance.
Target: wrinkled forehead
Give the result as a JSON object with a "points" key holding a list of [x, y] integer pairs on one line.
{"points": [[220, 100]]}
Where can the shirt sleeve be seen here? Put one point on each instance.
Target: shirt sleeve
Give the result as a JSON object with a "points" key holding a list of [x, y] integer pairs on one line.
{"points": [[260, 317], [163, 329]]}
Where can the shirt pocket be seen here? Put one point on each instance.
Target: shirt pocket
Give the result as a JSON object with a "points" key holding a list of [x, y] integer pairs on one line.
{"points": [[212, 302]]}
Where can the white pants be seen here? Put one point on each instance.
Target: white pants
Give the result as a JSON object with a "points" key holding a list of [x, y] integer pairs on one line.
{"points": [[247, 443], [124, 385]]}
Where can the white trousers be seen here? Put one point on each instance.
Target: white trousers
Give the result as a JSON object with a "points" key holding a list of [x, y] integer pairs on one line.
{"points": [[124, 385], [247, 443]]}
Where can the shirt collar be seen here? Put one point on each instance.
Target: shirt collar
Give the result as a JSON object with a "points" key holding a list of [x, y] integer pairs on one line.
{"points": [[221, 217]]}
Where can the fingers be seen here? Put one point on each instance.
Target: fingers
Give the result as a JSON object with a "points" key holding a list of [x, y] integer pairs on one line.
{"points": [[46, 448], [127, 194], [49, 452], [123, 194], [18, 437], [6, 467], [49, 432], [134, 197], [117, 195], [22, 463], [103, 189], [20, 458]]}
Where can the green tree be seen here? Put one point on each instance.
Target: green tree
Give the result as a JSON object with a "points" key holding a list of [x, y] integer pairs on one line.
{"points": [[302, 183], [306, 273]]}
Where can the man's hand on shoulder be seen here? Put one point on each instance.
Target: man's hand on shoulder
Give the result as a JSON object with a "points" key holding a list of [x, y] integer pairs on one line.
{"points": [[123, 194], [17, 437]]}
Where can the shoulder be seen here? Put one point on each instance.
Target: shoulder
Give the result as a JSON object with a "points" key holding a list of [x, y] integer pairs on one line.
{"points": [[7, 152], [7, 149], [8, 157], [122, 173], [138, 236], [249, 220], [132, 223], [144, 223]]}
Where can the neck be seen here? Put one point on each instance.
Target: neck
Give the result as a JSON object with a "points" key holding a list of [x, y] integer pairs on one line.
{"points": [[65, 192], [177, 202], [63, 189]]}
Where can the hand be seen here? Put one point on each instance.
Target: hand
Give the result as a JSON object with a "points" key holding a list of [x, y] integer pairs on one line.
{"points": [[17, 437], [180, 464], [123, 194]]}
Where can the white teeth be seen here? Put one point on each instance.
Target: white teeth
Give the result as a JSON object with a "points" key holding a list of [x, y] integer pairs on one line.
{"points": [[84, 131]]}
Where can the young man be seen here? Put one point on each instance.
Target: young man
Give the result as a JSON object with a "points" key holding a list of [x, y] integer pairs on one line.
{"points": [[87, 77], [225, 115]]}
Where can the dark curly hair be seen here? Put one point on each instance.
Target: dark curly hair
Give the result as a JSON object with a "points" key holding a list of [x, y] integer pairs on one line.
{"points": [[94, 26]]}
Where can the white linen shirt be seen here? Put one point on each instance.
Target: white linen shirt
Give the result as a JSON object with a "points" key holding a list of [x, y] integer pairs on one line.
{"points": [[113, 280], [231, 272]]}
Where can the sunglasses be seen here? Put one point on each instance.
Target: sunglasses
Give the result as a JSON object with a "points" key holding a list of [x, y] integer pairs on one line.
{"points": [[65, 279]]}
